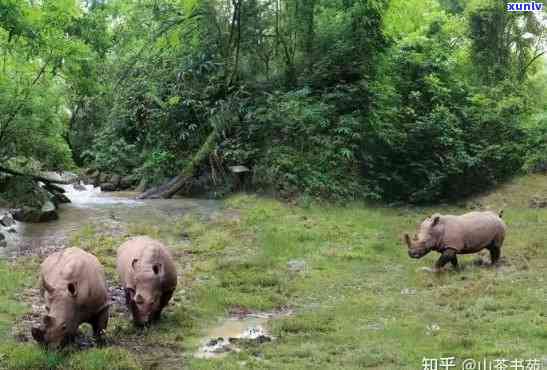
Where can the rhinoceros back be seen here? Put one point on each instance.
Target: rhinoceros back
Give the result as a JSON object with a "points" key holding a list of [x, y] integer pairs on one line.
{"points": [[479, 230]]}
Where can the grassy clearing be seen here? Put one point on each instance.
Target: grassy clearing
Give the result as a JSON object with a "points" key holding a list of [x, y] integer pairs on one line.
{"points": [[360, 302]]}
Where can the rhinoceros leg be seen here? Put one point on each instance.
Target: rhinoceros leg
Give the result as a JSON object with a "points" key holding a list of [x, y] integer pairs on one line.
{"points": [[164, 300], [99, 324], [131, 305], [495, 252], [448, 255]]}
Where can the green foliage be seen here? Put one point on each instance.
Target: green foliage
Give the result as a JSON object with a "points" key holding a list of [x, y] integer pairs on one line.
{"points": [[394, 100], [435, 135], [23, 191], [344, 99], [157, 165], [307, 147], [536, 158], [112, 153], [40, 57]]}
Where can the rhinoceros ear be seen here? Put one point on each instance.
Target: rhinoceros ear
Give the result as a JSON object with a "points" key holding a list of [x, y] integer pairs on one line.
{"points": [[73, 289], [436, 219], [156, 268], [134, 263]]}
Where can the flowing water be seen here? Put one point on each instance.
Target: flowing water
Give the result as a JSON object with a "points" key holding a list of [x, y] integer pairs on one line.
{"points": [[109, 212]]}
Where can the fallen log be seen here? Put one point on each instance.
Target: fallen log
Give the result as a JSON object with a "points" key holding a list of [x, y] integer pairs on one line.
{"points": [[34, 177], [174, 185]]}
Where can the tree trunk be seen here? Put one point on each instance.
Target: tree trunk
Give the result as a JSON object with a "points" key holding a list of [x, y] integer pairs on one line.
{"points": [[34, 177], [174, 185]]}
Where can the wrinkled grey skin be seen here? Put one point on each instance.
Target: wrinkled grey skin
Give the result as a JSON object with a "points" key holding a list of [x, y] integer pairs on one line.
{"points": [[148, 275], [451, 235], [74, 289]]}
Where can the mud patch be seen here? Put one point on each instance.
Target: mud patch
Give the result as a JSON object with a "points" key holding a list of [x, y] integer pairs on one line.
{"points": [[153, 356], [240, 329], [121, 333]]}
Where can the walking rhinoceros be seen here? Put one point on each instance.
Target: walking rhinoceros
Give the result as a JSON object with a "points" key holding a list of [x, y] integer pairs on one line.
{"points": [[453, 235]]}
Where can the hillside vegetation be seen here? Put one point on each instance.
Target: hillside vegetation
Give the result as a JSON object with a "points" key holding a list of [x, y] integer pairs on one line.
{"points": [[399, 100]]}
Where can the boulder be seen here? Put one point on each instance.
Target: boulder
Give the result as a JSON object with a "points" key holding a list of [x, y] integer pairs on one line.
{"points": [[115, 180], [92, 178], [6, 220], [78, 186], [90, 172], [59, 198], [70, 176], [26, 214], [96, 181], [126, 182], [107, 186], [48, 212], [103, 178]]}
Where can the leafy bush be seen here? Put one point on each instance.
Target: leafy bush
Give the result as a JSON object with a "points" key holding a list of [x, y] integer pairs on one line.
{"points": [[397, 101], [158, 165], [432, 135], [304, 147], [112, 153], [536, 146]]}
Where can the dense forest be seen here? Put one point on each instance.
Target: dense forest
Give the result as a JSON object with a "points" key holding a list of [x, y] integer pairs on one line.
{"points": [[400, 100]]}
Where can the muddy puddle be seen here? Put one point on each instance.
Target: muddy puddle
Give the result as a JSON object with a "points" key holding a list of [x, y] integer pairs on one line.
{"points": [[230, 334]]}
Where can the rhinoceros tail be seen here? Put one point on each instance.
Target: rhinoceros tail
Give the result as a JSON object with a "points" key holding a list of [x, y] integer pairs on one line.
{"points": [[500, 213]]}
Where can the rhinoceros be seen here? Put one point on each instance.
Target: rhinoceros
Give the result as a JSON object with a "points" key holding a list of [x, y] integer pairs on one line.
{"points": [[148, 275], [73, 285], [453, 235]]}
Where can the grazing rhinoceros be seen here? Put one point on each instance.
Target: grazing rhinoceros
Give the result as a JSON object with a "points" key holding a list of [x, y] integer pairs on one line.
{"points": [[148, 276], [74, 288], [452, 235]]}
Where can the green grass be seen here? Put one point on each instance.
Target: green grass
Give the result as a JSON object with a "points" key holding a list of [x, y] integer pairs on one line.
{"points": [[349, 308]]}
